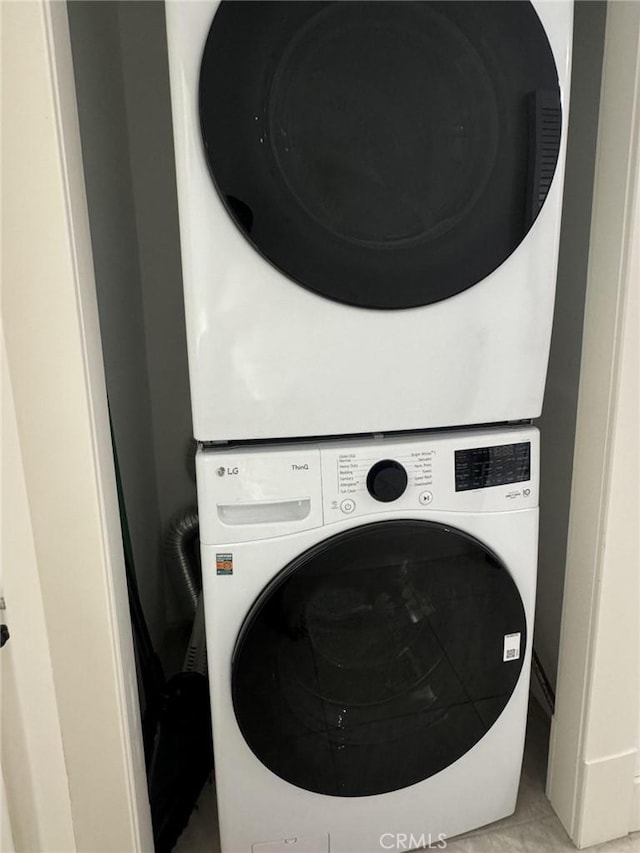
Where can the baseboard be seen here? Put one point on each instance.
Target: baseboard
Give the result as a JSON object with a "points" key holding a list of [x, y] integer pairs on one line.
{"points": [[635, 808], [604, 799]]}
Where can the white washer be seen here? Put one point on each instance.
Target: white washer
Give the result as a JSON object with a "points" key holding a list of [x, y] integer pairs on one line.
{"points": [[370, 229], [369, 609]]}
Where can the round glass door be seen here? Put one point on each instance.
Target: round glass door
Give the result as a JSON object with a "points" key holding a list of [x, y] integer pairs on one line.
{"points": [[382, 154], [378, 658]]}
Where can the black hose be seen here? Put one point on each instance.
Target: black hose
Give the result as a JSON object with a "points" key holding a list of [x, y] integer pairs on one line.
{"points": [[543, 681], [178, 549]]}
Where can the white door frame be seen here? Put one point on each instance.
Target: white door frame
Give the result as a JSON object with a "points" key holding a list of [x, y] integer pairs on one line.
{"points": [[595, 732], [54, 357], [31, 752]]}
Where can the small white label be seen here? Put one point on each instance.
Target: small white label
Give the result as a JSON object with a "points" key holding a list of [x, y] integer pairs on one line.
{"points": [[511, 647]]}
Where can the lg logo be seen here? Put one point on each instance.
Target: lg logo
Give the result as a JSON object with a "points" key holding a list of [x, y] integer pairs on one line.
{"points": [[222, 471]]}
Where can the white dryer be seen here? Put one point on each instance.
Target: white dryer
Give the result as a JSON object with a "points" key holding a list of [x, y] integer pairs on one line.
{"points": [[370, 198], [369, 609]]}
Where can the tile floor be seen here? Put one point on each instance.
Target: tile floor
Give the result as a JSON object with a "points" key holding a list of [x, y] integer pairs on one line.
{"points": [[533, 828]]}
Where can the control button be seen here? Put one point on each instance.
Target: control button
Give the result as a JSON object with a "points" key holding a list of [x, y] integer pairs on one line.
{"points": [[347, 506], [387, 480], [425, 498]]}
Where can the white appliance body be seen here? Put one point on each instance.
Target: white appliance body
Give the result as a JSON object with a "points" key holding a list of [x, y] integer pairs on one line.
{"points": [[271, 359], [260, 509]]}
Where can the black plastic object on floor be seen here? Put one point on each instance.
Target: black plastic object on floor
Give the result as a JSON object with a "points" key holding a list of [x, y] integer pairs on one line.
{"points": [[182, 758], [176, 722]]}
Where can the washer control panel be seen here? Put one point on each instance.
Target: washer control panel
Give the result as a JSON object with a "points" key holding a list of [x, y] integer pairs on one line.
{"points": [[250, 493], [498, 465], [356, 470], [462, 471]]}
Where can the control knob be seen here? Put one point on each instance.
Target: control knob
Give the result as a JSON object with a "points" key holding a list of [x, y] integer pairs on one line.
{"points": [[387, 480]]}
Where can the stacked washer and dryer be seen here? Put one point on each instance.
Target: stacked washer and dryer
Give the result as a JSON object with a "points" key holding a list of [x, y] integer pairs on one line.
{"points": [[370, 198]]}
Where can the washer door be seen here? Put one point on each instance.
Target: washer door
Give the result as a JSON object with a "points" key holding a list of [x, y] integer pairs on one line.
{"points": [[381, 154], [378, 658]]}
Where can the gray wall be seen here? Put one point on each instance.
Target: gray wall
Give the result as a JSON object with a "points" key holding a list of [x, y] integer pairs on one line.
{"points": [[557, 424], [120, 64], [148, 109]]}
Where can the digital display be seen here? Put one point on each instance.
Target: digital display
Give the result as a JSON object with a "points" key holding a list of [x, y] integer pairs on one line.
{"points": [[483, 467]]}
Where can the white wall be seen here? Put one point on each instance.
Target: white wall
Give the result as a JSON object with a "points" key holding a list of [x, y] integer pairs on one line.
{"points": [[557, 424]]}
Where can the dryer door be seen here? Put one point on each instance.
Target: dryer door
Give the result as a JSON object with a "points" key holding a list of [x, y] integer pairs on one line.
{"points": [[378, 658], [381, 154]]}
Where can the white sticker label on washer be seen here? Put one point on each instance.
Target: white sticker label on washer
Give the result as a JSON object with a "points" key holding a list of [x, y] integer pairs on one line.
{"points": [[511, 647]]}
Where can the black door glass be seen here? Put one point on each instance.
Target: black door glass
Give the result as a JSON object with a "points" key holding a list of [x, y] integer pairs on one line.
{"points": [[376, 659], [382, 154]]}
